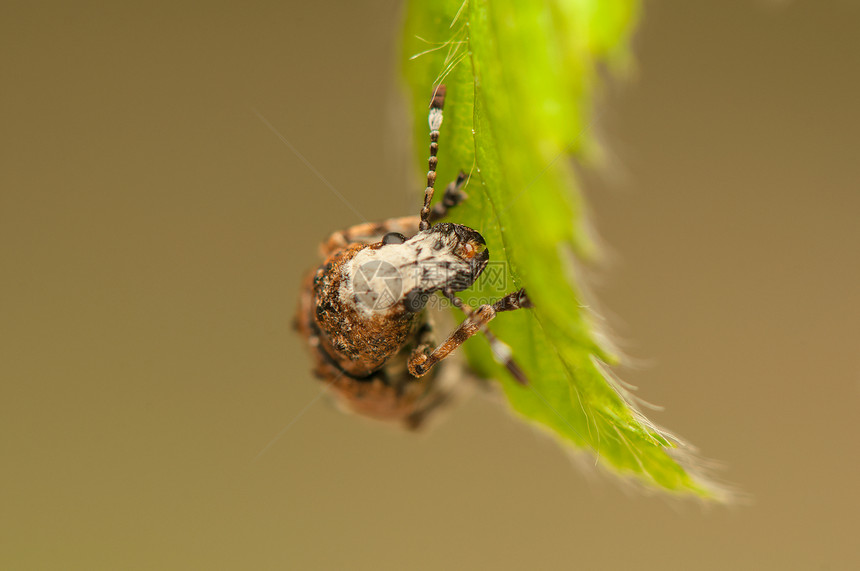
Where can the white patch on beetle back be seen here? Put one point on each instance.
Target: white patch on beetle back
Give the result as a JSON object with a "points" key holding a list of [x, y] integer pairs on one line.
{"points": [[377, 278]]}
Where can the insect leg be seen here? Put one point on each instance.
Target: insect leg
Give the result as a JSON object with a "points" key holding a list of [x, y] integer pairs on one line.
{"points": [[501, 352], [433, 398], [420, 362], [516, 300], [435, 121], [368, 232], [407, 225], [425, 339], [504, 356], [453, 196]]}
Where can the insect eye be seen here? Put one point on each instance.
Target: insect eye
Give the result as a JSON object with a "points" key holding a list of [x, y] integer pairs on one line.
{"points": [[393, 238]]}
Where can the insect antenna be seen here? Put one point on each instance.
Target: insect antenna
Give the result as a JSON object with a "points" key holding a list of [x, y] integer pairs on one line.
{"points": [[434, 119]]}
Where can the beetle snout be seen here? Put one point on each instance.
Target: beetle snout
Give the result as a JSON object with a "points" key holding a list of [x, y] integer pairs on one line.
{"points": [[479, 262]]}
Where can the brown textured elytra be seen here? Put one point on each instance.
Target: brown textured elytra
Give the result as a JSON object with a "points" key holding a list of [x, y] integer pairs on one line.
{"points": [[361, 342], [363, 362]]}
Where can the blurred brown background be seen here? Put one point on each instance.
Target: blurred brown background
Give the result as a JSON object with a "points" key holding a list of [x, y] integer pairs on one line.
{"points": [[153, 233]]}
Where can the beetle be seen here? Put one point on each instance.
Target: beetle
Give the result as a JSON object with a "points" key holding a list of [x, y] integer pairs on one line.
{"points": [[363, 310]]}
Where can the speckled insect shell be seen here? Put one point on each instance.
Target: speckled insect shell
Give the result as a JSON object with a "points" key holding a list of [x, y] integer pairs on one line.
{"points": [[384, 393], [362, 311], [362, 350]]}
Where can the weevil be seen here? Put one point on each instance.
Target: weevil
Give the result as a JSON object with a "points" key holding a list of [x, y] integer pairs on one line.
{"points": [[363, 311]]}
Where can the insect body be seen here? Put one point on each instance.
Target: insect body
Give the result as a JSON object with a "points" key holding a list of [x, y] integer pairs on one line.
{"points": [[363, 310]]}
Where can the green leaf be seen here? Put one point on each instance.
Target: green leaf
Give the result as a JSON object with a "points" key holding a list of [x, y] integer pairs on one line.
{"points": [[519, 79]]}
